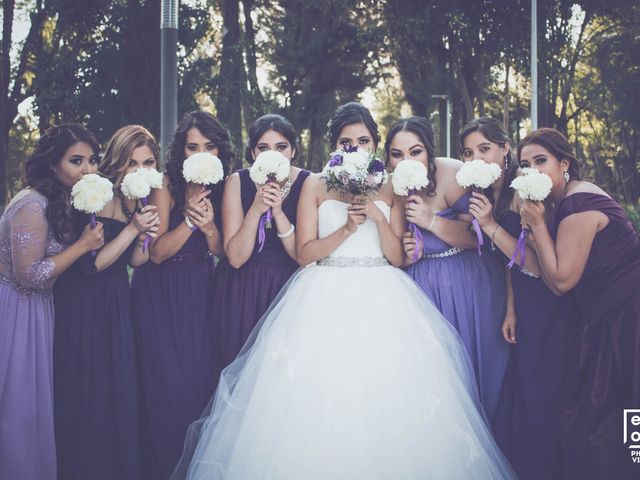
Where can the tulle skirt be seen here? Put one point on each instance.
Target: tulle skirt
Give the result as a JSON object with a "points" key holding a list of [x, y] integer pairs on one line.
{"points": [[351, 374]]}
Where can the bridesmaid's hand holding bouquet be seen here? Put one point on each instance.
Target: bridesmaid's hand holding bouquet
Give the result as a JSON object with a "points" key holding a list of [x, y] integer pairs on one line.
{"points": [[137, 186], [201, 169], [90, 195]]}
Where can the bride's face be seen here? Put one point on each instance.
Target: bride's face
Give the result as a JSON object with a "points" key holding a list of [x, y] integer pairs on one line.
{"points": [[355, 135], [407, 145]]}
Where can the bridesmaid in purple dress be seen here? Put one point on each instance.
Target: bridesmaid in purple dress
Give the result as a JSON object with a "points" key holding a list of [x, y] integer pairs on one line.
{"points": [[593, 250], [171, 318], [94, 361], [468, 289], [529, 405], [247, 280], [33, 229]]}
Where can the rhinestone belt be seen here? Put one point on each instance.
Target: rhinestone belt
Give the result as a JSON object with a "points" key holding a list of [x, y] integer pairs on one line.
{"points": [[353, 262], [22, 290], [447, 253]]}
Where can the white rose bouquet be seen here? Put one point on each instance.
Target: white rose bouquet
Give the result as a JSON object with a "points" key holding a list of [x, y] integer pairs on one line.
{"points": [[408, 178], [478, 175], [90, 195], [137, 185], [269, 166], [354, 171], [531, 185]]}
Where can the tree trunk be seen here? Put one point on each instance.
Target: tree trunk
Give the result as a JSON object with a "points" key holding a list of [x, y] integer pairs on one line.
{"points": [[254, 105], [231, 81], [5, 120]]}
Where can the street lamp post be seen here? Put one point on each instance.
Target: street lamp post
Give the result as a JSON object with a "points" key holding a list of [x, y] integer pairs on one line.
{"points": [[534, 65], [168, 73], [448, 99]]}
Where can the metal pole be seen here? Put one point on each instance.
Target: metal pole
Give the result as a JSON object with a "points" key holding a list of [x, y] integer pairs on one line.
{"points": [[534, 65], [448, 126], [168, 73]]}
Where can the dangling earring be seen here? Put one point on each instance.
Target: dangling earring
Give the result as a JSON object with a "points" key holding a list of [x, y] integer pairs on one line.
{"points": [[567, 177], [506, 162]]}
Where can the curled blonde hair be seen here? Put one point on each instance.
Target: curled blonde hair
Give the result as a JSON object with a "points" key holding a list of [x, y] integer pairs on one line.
{"points": [[121, 147]]}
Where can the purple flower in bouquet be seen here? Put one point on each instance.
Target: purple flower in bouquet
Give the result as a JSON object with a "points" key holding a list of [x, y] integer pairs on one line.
{"points": [[376, 166], [335, 160]]}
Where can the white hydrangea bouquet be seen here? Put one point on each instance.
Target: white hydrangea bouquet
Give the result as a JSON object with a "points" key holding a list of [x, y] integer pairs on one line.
{"points": [[478, 175], [269, 166], [90, 195], [409, 177], [355, 172], [203, 169], [137, 185], [531, 185]]}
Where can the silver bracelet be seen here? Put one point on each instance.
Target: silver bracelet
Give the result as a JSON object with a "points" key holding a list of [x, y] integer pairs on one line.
{"points": [[289, 233], [190, 224]]}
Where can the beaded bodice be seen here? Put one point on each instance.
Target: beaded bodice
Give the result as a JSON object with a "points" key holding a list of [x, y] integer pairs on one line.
{"points": [[26, 243]]}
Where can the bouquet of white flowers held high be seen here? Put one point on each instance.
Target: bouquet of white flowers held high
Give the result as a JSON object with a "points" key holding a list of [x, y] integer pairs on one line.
{"points": [[408, 178], [137, 185], [90, 195], [269, 166], [203, 168], [354, 171], [531, 185], [478, 175]]}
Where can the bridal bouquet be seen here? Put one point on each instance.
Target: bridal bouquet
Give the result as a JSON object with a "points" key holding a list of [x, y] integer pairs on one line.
{"points": [[478, 175], [90, 195], [531, 185], [269, 166], [137, 185], [408, 178], [354, 171]]}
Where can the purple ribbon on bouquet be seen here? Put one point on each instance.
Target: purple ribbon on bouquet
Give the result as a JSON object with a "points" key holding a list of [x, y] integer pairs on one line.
{"points": [[92, 220], [265, 222], [147, 238], [476, 226], [415, 231], [521, 248]]}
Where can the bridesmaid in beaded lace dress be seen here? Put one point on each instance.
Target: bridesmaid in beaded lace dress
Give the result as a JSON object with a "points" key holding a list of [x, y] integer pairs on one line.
{"points": [[33, 230], [95, 383], [169, 299], [248, 280]]}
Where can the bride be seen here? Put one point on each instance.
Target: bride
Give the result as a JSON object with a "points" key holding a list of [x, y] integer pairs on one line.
{"points": [[352, 373]]}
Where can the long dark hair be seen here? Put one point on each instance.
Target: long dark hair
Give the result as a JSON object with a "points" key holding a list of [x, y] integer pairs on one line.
{"points": [[422, 129], [494, 131], [39, 174], [348, 114], [556, 144], [211, 128]]}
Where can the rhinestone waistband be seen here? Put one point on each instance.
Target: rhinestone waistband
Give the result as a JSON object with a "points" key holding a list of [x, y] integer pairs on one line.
{"points": [[22, 290], [446, 253], [192, 257], [353, 262]]}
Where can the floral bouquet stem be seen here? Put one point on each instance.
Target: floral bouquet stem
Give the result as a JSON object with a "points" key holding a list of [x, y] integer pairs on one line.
{"points": [[521, 248], [94, 223], [417, 234], [147, 238], [476, 226]]}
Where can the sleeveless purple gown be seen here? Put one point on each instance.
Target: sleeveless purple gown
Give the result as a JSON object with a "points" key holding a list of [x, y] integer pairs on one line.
{"points": [[242, 295], [94, 367], [603, 369], [174, 341], [529, 406], [469, 290]]}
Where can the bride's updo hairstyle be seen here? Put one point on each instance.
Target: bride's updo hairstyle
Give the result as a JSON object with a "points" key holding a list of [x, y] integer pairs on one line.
{"points": [[349, 114]]}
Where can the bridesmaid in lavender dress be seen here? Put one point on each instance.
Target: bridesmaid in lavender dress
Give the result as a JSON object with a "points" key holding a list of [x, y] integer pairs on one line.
{"points": [[95, 382], [33, 229], [593, 250], [529, 405], [468, 289], [247, 280], [172, 320]]}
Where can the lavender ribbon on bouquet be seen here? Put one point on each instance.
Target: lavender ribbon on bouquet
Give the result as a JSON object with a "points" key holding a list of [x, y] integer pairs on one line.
{"points": [[521, 249], [265, 222]]}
